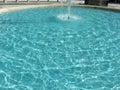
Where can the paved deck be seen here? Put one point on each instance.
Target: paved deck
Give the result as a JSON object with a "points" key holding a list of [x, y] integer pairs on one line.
{"points": [[112, 7]]}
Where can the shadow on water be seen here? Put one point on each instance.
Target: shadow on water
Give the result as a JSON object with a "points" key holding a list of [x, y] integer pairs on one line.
{"points": [[51, 19]]}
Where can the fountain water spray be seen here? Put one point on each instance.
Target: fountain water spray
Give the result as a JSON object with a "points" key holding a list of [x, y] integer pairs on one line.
{"points": [[68, 16], [61, 2], [69, 8]]}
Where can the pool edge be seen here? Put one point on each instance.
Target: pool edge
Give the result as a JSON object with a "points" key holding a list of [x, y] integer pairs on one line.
{"points": [[9, 8]]}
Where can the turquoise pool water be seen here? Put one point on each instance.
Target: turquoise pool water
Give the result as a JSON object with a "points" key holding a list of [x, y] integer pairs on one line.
{"points": [[40, 51]]}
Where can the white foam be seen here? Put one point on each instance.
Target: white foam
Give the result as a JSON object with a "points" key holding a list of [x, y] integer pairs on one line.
{"points": [[66, 17]]}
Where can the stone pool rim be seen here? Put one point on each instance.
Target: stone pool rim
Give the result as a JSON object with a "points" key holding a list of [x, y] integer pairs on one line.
{"points": [[10, 8]]}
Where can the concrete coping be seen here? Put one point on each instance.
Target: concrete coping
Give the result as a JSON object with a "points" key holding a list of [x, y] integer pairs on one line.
{"points": [[9, 8]]}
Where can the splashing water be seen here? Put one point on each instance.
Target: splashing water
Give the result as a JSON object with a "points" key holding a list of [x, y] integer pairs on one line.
{"points": [[65, 17], [68, 16], [69, 8]]}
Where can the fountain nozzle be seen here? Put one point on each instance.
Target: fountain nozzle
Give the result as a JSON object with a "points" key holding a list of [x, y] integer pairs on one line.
{"points": [[68, 17]]}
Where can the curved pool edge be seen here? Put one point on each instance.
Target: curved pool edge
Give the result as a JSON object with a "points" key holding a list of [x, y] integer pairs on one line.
{"points": [[9, 8]]}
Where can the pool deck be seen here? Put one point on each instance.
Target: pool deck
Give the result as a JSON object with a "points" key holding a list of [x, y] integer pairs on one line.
{"points": [[112, 7], [8, 8]]}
